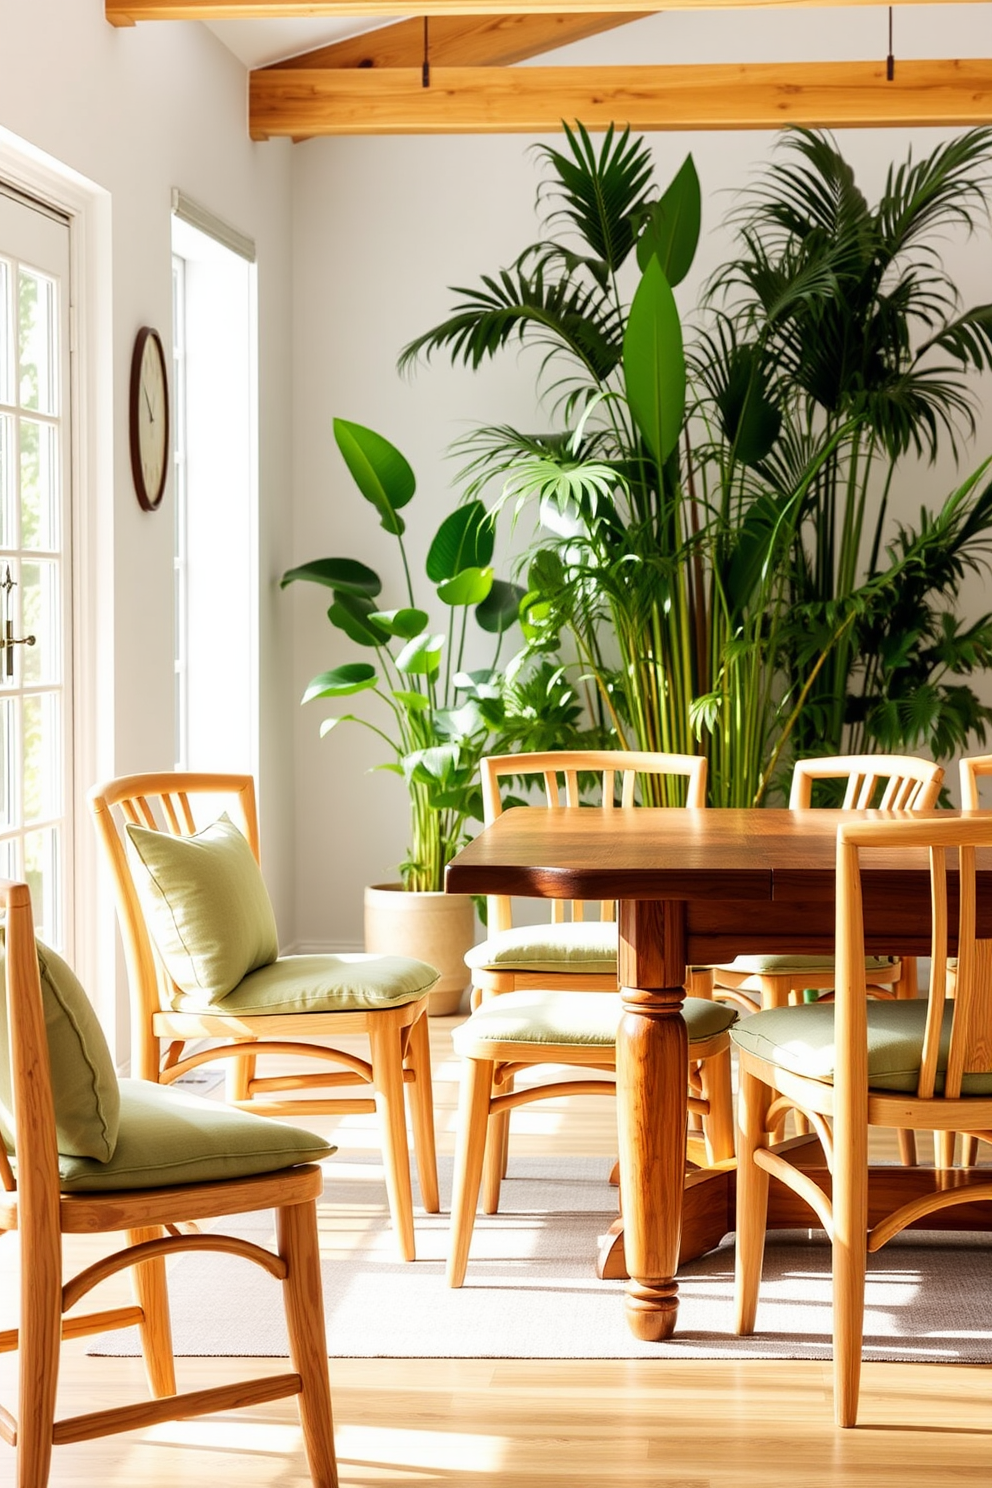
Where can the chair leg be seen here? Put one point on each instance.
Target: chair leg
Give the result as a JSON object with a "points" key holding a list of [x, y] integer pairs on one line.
{"points": [[907, 1147], [152, 1296], [753, 1101], [969, 1151], [497, 1150], [943, 1149], [40, 1338], [238, 1077], [718, 1124], [473, 1121], [850, 1251], [422, 1109], [387, 1079], [296, 1230]]}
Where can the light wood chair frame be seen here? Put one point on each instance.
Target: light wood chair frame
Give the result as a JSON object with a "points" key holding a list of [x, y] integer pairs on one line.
{"points": [[612, 765], [31, 1203], [890, 782], [842, 1112], [399, 1040], [562, 768]]}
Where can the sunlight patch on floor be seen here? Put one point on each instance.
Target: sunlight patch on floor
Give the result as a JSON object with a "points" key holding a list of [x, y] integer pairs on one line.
{"points": [[427, 1450]]}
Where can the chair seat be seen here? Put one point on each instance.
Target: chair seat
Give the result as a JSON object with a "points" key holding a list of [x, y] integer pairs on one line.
{"points": [[795, 965], [167, 1137], [322, 984], [584, 946], [581, 1019], [801, 1040]]}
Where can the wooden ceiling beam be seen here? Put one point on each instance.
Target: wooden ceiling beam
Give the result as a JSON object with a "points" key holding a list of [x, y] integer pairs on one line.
{"points": [[460, 41], [482, 100], [128, 12]]}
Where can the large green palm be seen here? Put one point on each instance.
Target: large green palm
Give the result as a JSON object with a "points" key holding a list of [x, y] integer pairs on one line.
{"points": [[855, 321]]}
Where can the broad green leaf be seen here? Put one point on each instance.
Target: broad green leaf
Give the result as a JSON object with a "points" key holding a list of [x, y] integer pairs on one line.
{"points": [[413, 702], [501, 607], [390, 765], [354, 676], [353, 614], [654, 363], [421, 656], [464, 540], [672, 232], [380, 472], [346, 575], [403, 623], [469, 587], [429, 765]]}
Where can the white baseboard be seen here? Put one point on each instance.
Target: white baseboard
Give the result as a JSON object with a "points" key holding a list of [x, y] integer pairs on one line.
{"points": [[321, 948]]}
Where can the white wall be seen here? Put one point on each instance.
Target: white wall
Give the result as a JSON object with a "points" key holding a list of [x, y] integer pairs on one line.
{"points": [[380, 228], [136, 112]]}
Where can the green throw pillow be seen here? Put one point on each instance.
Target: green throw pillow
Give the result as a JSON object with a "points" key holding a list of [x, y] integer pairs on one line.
{"points": [[84, 1081], [206, 906]]}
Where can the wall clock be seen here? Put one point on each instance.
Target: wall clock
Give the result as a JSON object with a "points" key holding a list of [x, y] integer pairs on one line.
{"points": [[148, 412]]}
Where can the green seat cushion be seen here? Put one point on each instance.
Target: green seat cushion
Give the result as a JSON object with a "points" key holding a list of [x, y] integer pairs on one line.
{"points": [[795, 965], [206, 906], [578, 1018], [84, 1081], [325, 984], [801, 1039], [167, 1136], [588, 946]]}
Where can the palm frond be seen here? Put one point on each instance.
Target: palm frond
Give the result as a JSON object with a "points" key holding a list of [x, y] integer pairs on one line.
{"points": [[603, 194]]}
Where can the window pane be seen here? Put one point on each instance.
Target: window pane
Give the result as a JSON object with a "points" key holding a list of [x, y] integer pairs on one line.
{"points": [[7, 482], [42, 791], [8, 763], [40, 617], [9, 866], [36, 324], [39, 485], [41, 870], [6, 336]]}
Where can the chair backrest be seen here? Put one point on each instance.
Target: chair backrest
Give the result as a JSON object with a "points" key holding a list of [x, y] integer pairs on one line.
{"points": [[33, 1115], [180, 803], [953, 909], [891, 782], [971, 772], [560, 771]]}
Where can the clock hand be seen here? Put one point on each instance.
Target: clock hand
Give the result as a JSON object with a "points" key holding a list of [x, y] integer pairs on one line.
{"points": [[148, 401]]}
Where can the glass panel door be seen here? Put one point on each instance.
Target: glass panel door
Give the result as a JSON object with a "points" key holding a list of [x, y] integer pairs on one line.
{"points": [[35, 610]]}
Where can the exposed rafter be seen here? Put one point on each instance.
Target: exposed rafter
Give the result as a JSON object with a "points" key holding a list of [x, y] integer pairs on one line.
{"points": [[483, 100], [127, 12], [460, 41]]}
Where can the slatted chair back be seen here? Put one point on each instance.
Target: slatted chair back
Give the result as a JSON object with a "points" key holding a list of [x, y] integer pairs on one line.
{"points": [[951, 846], [890, 782], [972, 770], [181, 805], [560, 773]]}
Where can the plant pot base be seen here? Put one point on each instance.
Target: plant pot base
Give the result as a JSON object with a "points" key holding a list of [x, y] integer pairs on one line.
{"points": [[434, 927]]}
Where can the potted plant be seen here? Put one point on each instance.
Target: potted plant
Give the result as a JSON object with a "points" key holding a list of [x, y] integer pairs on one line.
{"points": [[702, 506], [435, 720]]}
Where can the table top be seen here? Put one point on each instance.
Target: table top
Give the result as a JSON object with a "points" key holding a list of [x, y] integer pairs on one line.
{"points": [[722, 862]]}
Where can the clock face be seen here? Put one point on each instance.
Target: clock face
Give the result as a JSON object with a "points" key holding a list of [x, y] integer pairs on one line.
{"points": [[149, 417]]}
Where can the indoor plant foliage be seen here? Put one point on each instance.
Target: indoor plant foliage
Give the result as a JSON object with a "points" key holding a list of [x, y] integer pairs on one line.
{"points": [[702, 510], [436, 720]]}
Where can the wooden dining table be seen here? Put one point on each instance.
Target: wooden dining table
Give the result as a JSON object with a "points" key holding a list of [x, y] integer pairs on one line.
{"points": [[697, 888]]}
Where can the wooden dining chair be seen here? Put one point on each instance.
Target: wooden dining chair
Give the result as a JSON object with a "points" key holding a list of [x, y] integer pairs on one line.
{"points": [[90, 1155], [973, 769], [860, 1063], [520, 1031], [577, 950], [889, 782], [207, 982]]}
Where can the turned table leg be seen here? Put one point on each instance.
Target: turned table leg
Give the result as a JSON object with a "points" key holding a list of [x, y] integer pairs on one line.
{"points": [[652, 1077]]}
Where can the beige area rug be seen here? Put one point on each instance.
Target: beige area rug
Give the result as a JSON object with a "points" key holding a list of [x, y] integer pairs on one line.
{"points": [[532, 1291]]}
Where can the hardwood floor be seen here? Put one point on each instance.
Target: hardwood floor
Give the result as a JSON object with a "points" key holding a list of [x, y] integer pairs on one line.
{"points": [[539, 1424]]}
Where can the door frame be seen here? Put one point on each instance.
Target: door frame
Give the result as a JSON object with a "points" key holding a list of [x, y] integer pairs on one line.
{"points": [[91, 474]]}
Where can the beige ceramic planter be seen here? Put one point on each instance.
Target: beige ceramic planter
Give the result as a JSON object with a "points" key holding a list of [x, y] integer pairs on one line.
{"points": [[436, 928]]}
